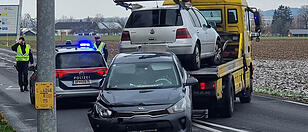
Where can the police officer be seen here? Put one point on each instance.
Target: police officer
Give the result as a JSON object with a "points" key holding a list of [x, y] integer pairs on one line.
{"points": [[101, 46], [23, 57]]}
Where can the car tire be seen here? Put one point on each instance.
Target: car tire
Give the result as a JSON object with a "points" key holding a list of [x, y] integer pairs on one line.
{"points": [[217, 58], [228, 99], [246, 96], [32, 96], [196, 59]]}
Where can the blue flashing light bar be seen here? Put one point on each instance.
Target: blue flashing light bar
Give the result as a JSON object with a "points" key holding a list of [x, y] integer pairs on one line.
{"points": [[81, 44], [85, 45]]}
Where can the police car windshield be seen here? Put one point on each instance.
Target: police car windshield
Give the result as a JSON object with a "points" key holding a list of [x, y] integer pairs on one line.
{"points": [[143, 76], [79, 60]]}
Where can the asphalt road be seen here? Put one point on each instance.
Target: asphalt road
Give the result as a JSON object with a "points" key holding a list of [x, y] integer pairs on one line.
{"points": [[262, 114]]}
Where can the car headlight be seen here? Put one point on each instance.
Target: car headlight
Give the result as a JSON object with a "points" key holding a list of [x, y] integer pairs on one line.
{"points": [[102, 111], [178, 107]]}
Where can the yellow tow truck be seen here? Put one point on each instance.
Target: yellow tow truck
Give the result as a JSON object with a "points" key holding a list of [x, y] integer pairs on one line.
{"points": [[220, 85]]}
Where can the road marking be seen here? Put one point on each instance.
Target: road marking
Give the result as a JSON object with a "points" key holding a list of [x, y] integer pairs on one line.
{"points": [[205, 128], [30, 119], [283, 100], [12, 88], [6, 106], [6, 55], [293, 102], [5, 50], [220, 126], [5, 59]]}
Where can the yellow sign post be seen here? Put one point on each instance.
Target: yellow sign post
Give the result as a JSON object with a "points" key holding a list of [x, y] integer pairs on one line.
{"points": [[44, 95]]}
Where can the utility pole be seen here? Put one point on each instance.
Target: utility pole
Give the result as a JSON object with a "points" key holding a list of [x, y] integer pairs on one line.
{"points": [[46, 119], [19, 19]]}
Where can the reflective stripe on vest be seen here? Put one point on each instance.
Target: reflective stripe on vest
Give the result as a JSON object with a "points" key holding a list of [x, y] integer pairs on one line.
{"points": [[23, 57], [100, 47]]}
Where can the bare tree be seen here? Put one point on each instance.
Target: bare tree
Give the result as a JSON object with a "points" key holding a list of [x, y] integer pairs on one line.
{"points": [[28, 22], [121, 21], [303, 16], [98, 18]]}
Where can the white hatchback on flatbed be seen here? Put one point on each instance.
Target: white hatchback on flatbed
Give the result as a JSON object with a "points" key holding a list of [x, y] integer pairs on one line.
{"points": [[186, 32]]}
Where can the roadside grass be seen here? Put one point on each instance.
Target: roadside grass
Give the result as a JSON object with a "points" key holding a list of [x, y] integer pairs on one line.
{"points": [[289, 95], [5, 45], [4, 126], [284, 38]]}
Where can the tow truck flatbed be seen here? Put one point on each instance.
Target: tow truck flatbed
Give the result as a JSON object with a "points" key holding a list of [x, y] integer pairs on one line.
{"points": [[220, 70]]}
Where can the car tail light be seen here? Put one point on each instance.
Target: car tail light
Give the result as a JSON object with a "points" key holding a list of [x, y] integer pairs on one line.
{"points": [[60, 74], [125, 36], [214, 85], [202, 86], [102, 72], [182, 33]]}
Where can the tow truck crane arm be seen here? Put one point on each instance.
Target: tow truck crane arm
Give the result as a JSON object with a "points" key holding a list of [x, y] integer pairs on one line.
{"points": [[182, 3]]}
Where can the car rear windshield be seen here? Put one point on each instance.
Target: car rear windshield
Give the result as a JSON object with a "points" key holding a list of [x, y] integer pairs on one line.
{"points": [[79, 60], [155, 18], [143, 76]]}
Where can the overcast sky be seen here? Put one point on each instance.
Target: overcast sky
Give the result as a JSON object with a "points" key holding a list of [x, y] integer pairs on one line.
{"points": [[85, 8]]}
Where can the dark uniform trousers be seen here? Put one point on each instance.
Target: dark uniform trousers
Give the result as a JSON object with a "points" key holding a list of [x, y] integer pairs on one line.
{"points": [[22, 68]]}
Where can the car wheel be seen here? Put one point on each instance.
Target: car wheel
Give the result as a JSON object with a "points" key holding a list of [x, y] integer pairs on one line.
{"points": [[196, 59], [217, 58], [228, 99], [32, 98], [246, 97]]}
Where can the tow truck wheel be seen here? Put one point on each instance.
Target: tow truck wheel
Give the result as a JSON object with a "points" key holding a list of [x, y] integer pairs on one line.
{"points": [[228, 99], [196, 59], [246, 97]]}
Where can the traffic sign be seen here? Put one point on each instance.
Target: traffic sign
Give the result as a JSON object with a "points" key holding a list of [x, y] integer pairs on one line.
{"points": [[8, 19], [44, 95]]}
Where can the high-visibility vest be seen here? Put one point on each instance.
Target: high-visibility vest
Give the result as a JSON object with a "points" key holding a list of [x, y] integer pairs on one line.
{"points": [[100, 47], [23, 57]]}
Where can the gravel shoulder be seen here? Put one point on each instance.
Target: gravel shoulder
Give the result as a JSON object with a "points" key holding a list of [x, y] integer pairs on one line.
{"points": [[283, 75]]}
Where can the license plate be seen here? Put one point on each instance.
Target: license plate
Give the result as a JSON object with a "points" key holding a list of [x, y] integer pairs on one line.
{"points": [[81, 82]]}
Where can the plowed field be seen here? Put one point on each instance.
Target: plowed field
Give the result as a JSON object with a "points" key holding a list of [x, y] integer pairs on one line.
{"points": [[281, 50]]}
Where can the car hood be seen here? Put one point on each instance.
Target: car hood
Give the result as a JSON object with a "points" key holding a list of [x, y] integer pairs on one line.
{"points": [[146, 97]]}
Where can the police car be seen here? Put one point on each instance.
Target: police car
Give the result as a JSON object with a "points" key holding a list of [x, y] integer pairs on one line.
{"points": [[80, 70]]}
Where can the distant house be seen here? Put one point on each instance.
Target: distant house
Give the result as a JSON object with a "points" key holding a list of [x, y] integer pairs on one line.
{"points": [[76, 28], [28, 32], [298, 32]]}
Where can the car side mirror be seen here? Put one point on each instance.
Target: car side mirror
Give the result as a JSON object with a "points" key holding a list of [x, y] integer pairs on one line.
{"points": [[257, 21], [255, 35], [191, 81], [213, 25]]}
